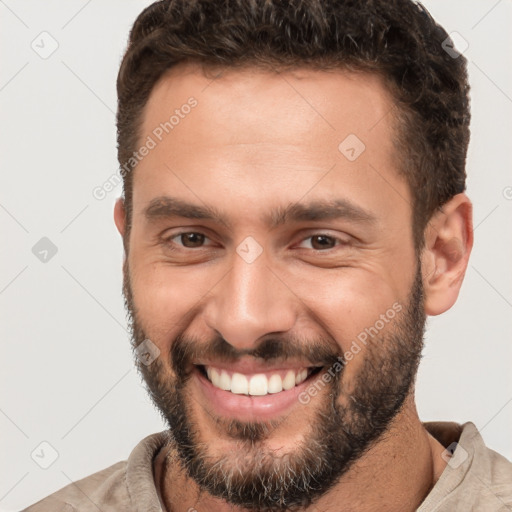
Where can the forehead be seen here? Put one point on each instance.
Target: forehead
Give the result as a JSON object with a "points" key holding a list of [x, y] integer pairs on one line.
{"points": [[277, 133], [268, 103]]}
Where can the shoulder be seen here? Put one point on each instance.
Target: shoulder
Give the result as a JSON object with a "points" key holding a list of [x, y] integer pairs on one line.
{"points": [[475, 477], [127, 485], [488, 464], [493, 472], [489, 474], [105, 489]]}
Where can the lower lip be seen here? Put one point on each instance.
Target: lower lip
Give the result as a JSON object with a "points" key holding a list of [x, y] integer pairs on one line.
{"points": [[246, 407]]}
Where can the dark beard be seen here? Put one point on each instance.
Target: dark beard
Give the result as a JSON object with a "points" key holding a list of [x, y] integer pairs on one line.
{"points": [[254, 478]]}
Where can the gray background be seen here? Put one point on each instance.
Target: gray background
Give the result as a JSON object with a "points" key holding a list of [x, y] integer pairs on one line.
{"points": [[67, 376]]}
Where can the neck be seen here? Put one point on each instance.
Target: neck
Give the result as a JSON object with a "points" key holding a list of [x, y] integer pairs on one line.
{"points": [[396, 473]]}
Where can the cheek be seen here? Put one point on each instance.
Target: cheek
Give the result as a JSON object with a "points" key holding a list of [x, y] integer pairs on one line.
{"points": [[351, 311], [347, 303], [165, 297], [354, 305]]}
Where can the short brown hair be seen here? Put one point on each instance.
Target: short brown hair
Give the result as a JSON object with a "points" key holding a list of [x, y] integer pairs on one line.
{"points": [[397, 39]]}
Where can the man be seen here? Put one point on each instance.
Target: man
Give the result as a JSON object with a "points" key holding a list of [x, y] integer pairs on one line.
{"points": [[293, 209]]}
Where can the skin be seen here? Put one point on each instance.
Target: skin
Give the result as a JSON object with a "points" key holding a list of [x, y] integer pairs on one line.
{"points": [[258, 140]]}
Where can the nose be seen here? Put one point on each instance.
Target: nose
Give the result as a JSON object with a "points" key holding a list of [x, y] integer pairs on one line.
{"points": [[249, 302]]}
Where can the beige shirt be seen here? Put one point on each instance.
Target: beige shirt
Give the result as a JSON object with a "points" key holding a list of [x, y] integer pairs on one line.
{"points": [[476, 478]]}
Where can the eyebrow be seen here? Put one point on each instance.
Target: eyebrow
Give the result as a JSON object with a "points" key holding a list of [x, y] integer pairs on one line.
{"points": [[170, 207]]}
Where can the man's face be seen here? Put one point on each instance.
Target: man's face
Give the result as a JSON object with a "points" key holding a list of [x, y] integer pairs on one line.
{"points": [[276, 285]]}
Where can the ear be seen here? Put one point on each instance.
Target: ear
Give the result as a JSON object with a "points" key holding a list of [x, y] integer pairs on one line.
{"points": [[120, 216], [444, 259]]}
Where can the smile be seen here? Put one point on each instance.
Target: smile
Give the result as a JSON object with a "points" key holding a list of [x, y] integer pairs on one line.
{"points": [[249, 390], [259, 384]]}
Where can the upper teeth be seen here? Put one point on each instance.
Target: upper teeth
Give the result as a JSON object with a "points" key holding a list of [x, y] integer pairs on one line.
{"points": [[256, 385]]}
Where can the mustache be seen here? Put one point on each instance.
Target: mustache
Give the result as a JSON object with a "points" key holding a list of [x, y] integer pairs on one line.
{"points": [[185, 351]]}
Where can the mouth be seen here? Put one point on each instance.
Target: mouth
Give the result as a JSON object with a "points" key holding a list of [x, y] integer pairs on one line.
{"points": [[257, 384], [252, 395]]}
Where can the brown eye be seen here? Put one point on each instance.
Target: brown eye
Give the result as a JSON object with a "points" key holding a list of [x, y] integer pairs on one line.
{"points": [[319, 242], [192, 239], [323, 242]]}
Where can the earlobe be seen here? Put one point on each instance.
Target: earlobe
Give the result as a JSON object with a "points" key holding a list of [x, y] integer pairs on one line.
{"points": [[120, 216], [448, 244]]}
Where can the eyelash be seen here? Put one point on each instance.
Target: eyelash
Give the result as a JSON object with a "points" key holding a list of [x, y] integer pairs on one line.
{"points": [[168, 240]]}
